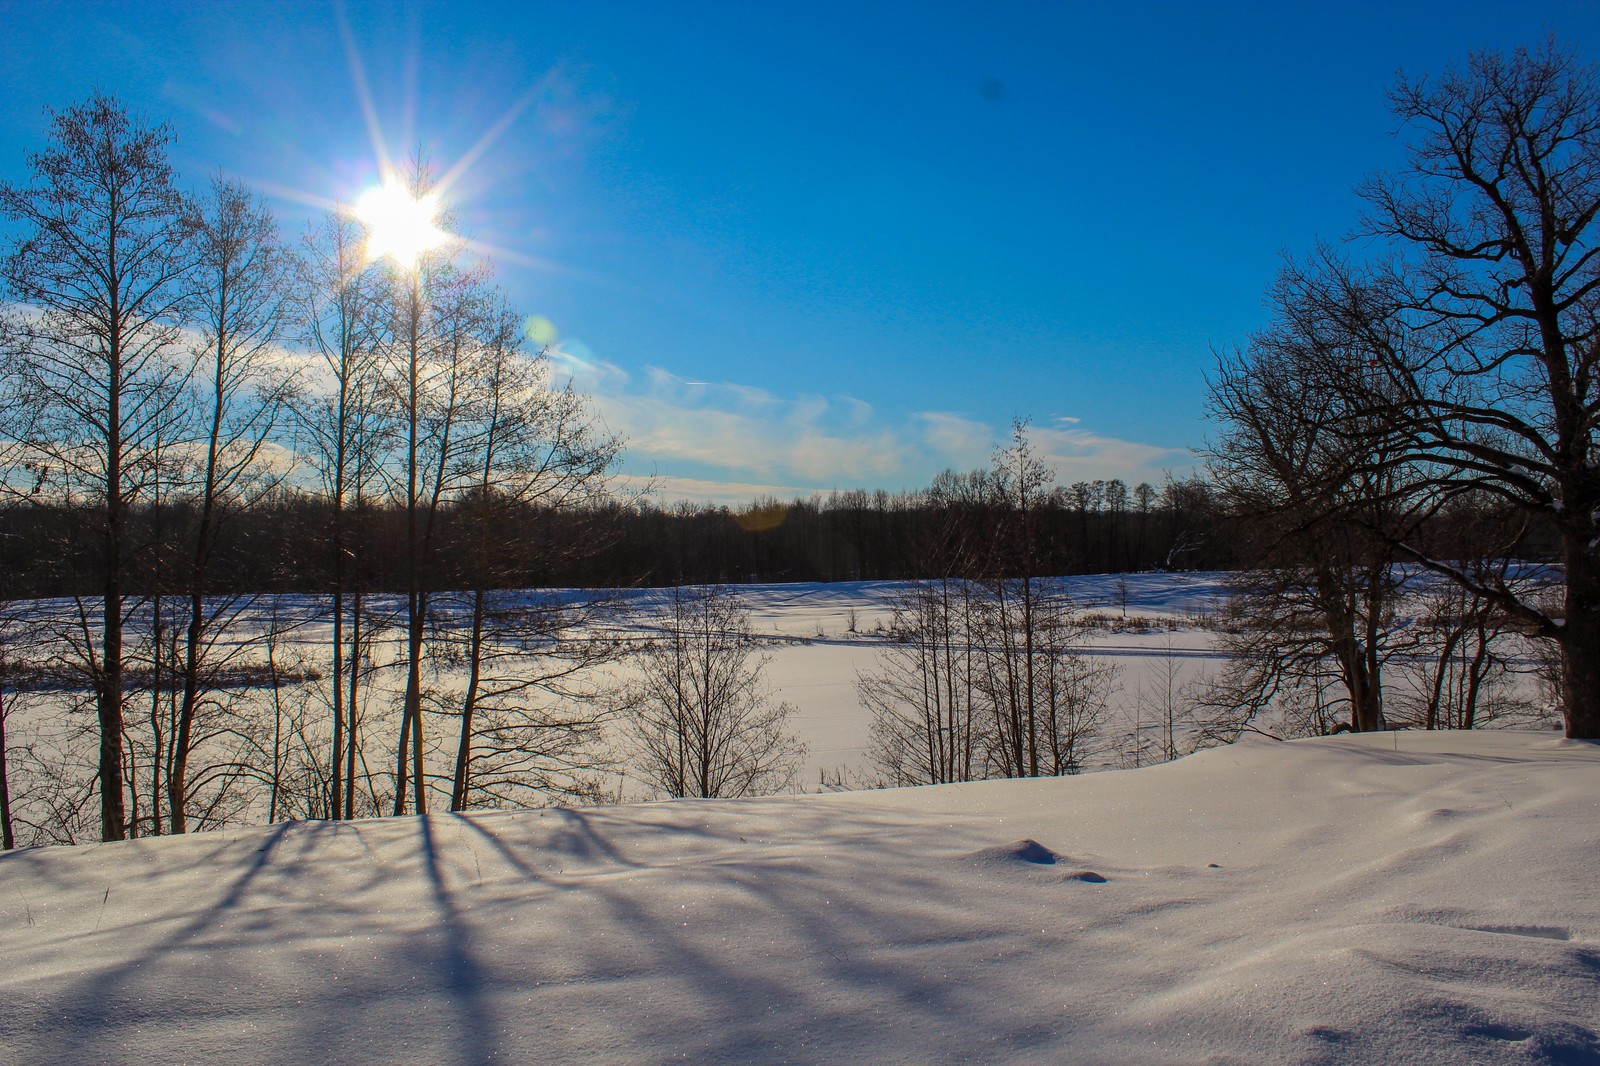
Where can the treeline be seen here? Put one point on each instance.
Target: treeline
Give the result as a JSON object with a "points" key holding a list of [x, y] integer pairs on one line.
{"points": [[280, 542], [1083, 528]]}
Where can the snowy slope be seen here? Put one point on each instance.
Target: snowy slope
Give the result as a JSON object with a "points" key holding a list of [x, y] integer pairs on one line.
{"points": [[1397, 898]]}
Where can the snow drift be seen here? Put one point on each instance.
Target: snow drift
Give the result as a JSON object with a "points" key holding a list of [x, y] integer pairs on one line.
{"points": [[1388, 898]]}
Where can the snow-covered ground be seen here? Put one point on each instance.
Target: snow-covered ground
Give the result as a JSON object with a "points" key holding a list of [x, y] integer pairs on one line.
{"points": [[817, 637], [1396, 898], [817, 656]]}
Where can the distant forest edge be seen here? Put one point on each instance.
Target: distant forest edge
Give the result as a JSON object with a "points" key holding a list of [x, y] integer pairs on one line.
{"points": [[281, 543], [953, 529]]}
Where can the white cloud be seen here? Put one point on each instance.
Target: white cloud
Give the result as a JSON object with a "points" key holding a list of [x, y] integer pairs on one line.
{"points": [[729, 441], [1081, 455], [758, 437], [586, 372], [959, 441]]}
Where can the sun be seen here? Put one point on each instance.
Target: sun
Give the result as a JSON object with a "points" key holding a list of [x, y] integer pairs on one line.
{"points": [[399, 225]]}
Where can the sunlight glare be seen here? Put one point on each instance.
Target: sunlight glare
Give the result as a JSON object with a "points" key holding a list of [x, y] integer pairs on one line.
{"points": [[398, 224], [540, 330]]}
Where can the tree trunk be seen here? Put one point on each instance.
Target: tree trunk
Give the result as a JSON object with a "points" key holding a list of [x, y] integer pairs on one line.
{"points": [[178, 778], [336, 790], [352, 703], [458, 792], [1580, 644], [7, 840], [113, 815], [336, 763], [411, 722]]}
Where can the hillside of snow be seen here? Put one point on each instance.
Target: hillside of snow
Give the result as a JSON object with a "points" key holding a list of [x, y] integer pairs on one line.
{"points": [[1389, 898]]}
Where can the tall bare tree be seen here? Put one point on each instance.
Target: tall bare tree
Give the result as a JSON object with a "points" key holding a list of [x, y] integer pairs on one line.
{"points": [[432, 305], [1046, 701], [97, 277], [337, 311], [242, 391], [531, 448], [1482, 327]]}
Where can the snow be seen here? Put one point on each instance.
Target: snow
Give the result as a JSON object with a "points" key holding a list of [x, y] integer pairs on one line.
{"points": [[815, 657], [1402, 897]]}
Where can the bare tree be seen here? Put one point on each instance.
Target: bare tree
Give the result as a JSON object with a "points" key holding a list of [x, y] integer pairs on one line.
{"points": [[988, 679], [1321, 509], [533, 722], [1045, 699], [1010, 628], [530, 449], [1482, 329], [98, 275], [241, 393], [337, 311], [701, 719], [432, 306], [927, 728]]}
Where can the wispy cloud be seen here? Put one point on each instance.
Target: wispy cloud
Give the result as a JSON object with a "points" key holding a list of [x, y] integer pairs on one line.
{"points": [[727, 442], [957, 440], [1080, 454], [747, 431]]}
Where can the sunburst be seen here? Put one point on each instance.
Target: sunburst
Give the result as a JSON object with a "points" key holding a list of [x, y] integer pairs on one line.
{"points": [[399, 225]]}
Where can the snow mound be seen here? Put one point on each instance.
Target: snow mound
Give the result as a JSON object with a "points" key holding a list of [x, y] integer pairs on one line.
{"points": [[1029, 851], [1029, 854]]}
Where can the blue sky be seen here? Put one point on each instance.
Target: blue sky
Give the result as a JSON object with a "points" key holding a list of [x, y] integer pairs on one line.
{"points": [[800, 247]]}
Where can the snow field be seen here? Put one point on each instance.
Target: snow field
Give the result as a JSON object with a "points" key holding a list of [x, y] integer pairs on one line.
{"points": [[1388, 898]]}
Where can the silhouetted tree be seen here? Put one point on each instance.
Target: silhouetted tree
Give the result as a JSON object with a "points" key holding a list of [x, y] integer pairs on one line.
{"points": [[337, 313], [97, 275], [241, 392], [1481, 326]]}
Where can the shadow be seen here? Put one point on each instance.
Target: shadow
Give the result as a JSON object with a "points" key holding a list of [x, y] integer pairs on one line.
{"points": [[616, 920], [193, 948], [589, 842], [785, 929], [464, 978], [100, 1003]]}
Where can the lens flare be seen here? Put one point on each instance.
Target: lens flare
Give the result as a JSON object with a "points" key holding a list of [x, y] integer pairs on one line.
{"points": [[399, 225], [540, 330], [761, 517]]}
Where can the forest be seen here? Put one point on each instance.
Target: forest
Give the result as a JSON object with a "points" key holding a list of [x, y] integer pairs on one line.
{"points": [[281, 541]]}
